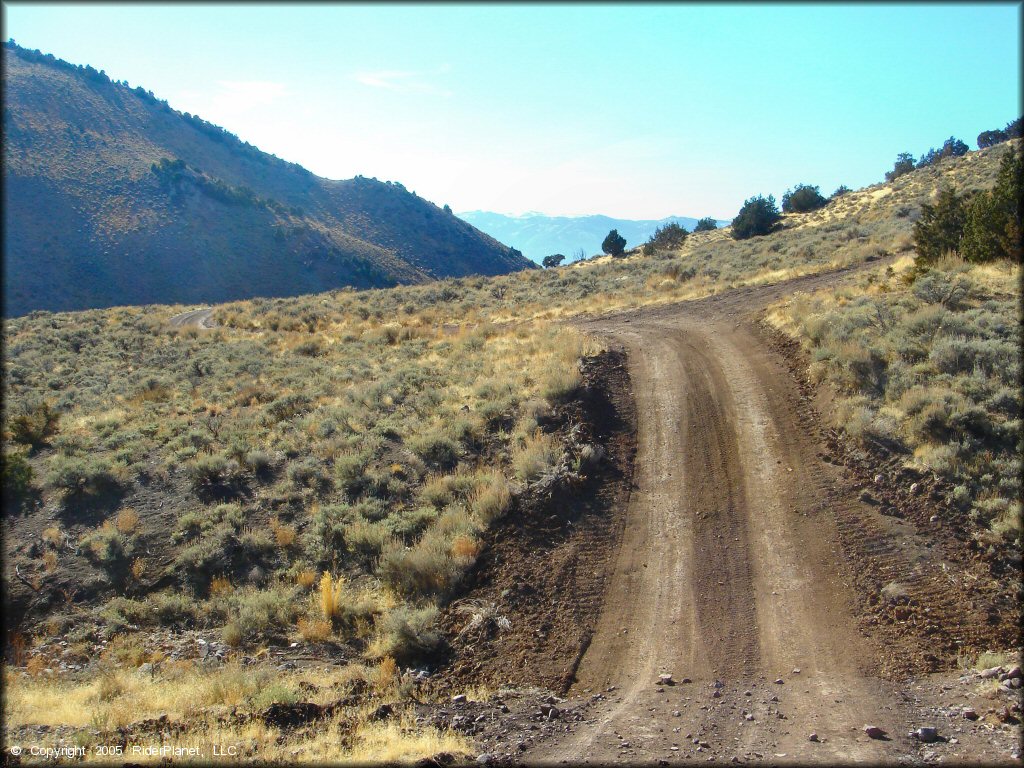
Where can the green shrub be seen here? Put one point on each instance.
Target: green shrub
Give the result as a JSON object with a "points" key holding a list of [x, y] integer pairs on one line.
{"points": [[614, 244], [408, 634], [993, 227], [904, 164], [671, 235], [436, 448], [941, 226], [92, 476], [16, 478], [802, 199], [365, 539], [209, 471], [173, 609], [35, 425], [258, 612], [197, 564], [109, 549], [707, 224], [758, 216], [350, 472], [426, 568]]}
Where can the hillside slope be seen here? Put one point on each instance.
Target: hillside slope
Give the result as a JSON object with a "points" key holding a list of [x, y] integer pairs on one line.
{"points": [[537, 235], [112, 197]]}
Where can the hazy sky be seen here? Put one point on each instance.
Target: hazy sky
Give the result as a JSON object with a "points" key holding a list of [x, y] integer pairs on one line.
{"points": [[638, 111]]}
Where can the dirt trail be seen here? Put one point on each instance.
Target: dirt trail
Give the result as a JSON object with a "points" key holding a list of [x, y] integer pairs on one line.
{"points": [[195, 318], [726, 570]]}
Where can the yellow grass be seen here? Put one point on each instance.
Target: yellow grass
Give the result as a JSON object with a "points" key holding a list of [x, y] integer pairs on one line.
{"points": [[195, 697]]}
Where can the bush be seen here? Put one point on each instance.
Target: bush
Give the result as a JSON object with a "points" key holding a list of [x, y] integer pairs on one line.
{"points": [[941, 226], [213, 471], [904, 164], [671, 235], [992, 227], [426, 568], [991, 138], [436, 449], [758, 216], [35, 425], [707, 224], [802, 198], [841, 190], [553, 260], [614, 244], [76, 476], [110, 550], [16, 478], [350, 472], [407, 634]]}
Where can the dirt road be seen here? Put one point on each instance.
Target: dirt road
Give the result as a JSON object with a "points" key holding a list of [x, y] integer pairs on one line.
{"points": [[195, 318], [725, 574]]}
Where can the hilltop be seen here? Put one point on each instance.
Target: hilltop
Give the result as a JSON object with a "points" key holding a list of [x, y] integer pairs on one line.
{"points": [[113, 198], [537, 235]]}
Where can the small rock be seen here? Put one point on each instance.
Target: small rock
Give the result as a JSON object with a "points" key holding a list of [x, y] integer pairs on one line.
{"points": [[933, 519], [1015, 682], [913, 488], [990, 672], [666, 679], [716, 695], [813, 737], [1014, 673], [718, 684], [686, 680], [874, 732], [796, 670], [485, 758], [926, 734], [879, 479], [970, 714], [676, 713], [748, 716], [458, 698], [779, 681]]}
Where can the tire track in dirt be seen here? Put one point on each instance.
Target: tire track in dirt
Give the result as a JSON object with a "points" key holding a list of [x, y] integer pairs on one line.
{"points": [[727, 571]]}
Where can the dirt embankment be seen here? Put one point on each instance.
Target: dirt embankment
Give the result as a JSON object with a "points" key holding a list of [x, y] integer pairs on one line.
{"points": [[544, 566]]}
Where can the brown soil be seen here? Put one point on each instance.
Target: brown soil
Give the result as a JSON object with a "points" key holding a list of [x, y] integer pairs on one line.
{"points": [[750, 563], [544, 566]]}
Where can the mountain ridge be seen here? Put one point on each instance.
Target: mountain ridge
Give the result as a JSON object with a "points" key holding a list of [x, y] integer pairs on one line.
{"points": [[113, 197], [538, 235]]}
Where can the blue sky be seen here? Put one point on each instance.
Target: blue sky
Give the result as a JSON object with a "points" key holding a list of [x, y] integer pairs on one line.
{"points": [[633, 111]]}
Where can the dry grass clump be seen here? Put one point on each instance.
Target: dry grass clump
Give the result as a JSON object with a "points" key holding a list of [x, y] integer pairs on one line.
{"points": [[927, 365], [193, 697], [537, 455]]}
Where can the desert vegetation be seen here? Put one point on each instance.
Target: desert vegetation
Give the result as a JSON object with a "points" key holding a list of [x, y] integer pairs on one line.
{"points": [[926, 364]]}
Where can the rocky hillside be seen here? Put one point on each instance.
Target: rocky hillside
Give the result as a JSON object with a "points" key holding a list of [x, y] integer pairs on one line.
{"points": [[113, 198]]}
